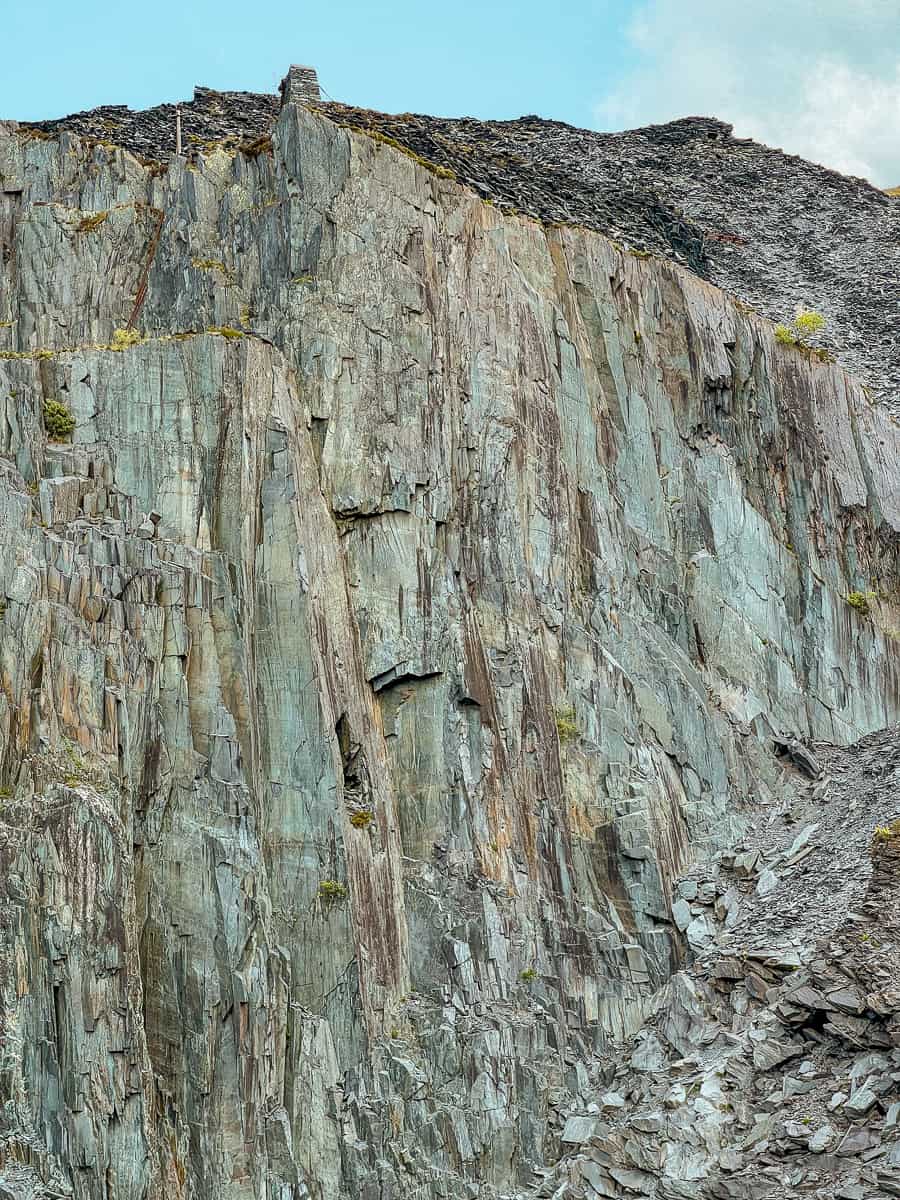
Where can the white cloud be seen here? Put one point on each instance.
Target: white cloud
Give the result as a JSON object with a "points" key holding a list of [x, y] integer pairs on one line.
{"points": [[819, 78]]}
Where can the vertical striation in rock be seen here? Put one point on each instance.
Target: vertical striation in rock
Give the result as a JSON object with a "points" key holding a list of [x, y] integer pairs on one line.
{"points": [[418, 593]]}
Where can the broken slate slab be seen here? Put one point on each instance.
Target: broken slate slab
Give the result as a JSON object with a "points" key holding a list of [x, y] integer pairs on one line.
{"points": [[681, 914], [850, 1190], [801, 840], [784, 960], [579, 1129], [861, 1102], [767, 882], [770, 1053], [745, 864], [857, 1141], [796, 1087], [847, 999], [700, 932], [821, 1140]]}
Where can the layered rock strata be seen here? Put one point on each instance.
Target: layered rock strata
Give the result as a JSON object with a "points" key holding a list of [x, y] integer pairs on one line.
{"points": [[418, 593]]}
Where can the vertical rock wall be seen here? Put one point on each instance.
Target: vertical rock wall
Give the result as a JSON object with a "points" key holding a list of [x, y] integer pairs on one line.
{"points": [[415, 597]]}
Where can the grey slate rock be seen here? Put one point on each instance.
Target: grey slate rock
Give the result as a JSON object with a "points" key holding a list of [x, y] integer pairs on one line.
{"points": [[860, 1102], [302, 859]]}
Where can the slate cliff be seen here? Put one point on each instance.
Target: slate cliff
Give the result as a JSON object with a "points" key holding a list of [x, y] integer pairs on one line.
{"points": [[417, 596]]}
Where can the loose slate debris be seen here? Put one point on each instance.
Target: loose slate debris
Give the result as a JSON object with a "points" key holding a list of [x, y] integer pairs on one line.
{"points": [[797, 753], [772, 1066]]}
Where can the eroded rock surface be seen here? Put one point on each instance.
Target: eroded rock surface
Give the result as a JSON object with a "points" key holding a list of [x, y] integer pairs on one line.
{"points": [[780, 233], [420, 592]]}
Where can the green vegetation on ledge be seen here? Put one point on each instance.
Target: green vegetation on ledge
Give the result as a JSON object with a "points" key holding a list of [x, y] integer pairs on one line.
{"points": [[58, 420], [804, 326], [331, 891], [387, 140], [860, 601], [566, 727]]}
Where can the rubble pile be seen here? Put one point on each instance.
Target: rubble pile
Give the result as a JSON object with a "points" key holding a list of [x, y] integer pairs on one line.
{"points": [[772, 1065]]}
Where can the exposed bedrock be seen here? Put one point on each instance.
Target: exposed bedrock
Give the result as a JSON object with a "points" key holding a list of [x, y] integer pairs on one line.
{"points": [[420, 591]]}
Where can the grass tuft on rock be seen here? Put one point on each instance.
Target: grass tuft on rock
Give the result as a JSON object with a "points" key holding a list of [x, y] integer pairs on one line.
{"points": [[566, 727], [861, 602], [124, 338]]}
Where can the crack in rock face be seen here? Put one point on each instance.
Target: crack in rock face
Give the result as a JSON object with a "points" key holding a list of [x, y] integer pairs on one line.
{"points": [[448, 665]]}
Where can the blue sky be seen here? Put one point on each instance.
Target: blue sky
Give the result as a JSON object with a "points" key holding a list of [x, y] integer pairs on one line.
{"points": [[819, 78], [460, 58]]}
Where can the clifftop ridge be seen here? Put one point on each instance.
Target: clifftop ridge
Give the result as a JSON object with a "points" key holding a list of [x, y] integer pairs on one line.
{"points": [[780, 233]]}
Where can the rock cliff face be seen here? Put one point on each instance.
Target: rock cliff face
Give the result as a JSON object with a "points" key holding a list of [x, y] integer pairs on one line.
{"points": [[779, 232], [420, 592]]}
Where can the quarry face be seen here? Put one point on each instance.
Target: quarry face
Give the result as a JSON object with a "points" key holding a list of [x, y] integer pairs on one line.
{"points": [[448, 672]]}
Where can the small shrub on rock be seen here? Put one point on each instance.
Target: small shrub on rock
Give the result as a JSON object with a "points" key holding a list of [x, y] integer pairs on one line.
{"points": [[58, 420], [804, 326], [808, 324], [886, 833], [860, 601], [566, 727], [331, 891]]}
